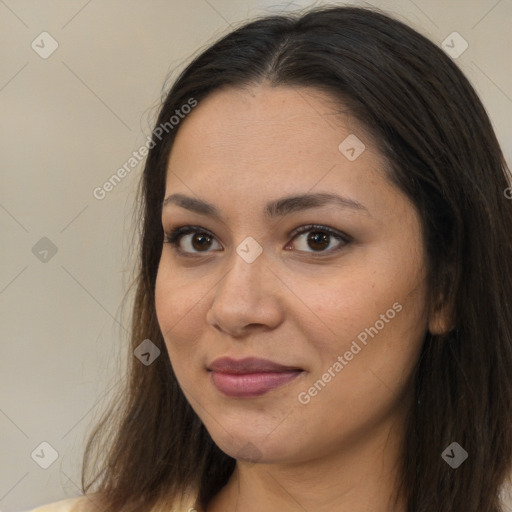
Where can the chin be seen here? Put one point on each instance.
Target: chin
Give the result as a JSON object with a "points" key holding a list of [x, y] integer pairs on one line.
{"points": [[253, 447]]}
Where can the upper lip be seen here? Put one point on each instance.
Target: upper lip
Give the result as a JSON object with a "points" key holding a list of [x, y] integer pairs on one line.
{"points": [[247, 365]]}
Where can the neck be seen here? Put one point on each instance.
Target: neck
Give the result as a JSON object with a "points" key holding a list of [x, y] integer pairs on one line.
{"points": [[359, 476]]}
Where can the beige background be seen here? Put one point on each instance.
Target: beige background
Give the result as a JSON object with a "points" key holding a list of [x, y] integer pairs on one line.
{"points": [[67, 123]]}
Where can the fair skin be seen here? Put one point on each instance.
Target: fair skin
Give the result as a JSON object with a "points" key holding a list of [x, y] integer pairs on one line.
{"points": [[295, 304]]}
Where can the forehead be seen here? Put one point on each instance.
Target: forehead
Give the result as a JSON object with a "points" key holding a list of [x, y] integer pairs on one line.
{"points": [[265, 133], [295, 113]]}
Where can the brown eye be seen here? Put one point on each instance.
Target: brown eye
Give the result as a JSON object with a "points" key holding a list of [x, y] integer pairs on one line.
{"points": [[319, 239], [200, 241], [192, 240], [189, 240]]}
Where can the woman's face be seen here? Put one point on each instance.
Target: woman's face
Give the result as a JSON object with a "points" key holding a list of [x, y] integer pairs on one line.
{"points": [[341, 306]]}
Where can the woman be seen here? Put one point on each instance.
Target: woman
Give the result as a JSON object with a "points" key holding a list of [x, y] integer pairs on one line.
{"points": [[326, 270]]}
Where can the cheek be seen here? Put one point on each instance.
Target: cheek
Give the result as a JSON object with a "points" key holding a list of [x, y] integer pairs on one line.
{"points": [[374, 317], [335, 309], [378, 355], [177, 308]]}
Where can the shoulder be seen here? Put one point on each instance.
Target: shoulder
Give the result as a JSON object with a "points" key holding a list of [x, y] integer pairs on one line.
{"points": [[85, 504], [79, 504]]}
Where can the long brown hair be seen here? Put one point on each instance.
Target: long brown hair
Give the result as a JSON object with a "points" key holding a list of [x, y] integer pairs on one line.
{"points": [[434, 131]]}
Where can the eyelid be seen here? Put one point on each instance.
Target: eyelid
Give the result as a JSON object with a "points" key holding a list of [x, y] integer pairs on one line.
{"points": [[174, 237], [319, 227]]}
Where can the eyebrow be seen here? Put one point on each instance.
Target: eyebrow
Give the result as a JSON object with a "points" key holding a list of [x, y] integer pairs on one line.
{"points": [[277, 208]]}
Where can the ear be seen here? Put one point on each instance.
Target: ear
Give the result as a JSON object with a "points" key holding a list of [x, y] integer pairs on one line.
{"points": [[441, 319]]}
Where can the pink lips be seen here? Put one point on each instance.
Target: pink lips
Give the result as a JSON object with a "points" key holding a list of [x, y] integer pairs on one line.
{"points": [[250, 376]]}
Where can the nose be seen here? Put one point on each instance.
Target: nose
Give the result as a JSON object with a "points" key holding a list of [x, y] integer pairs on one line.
{"points": [[248, 296]]}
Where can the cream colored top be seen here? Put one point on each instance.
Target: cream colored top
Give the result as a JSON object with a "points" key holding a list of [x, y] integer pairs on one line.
{"points": [[84, 504], [67, 505]]}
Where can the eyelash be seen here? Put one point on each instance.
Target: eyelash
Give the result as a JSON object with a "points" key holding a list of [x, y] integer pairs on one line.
{"points": [[174, 237]]}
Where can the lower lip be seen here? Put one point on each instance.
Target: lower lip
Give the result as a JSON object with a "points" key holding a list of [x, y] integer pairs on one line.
{"points": [[251, 384]]}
